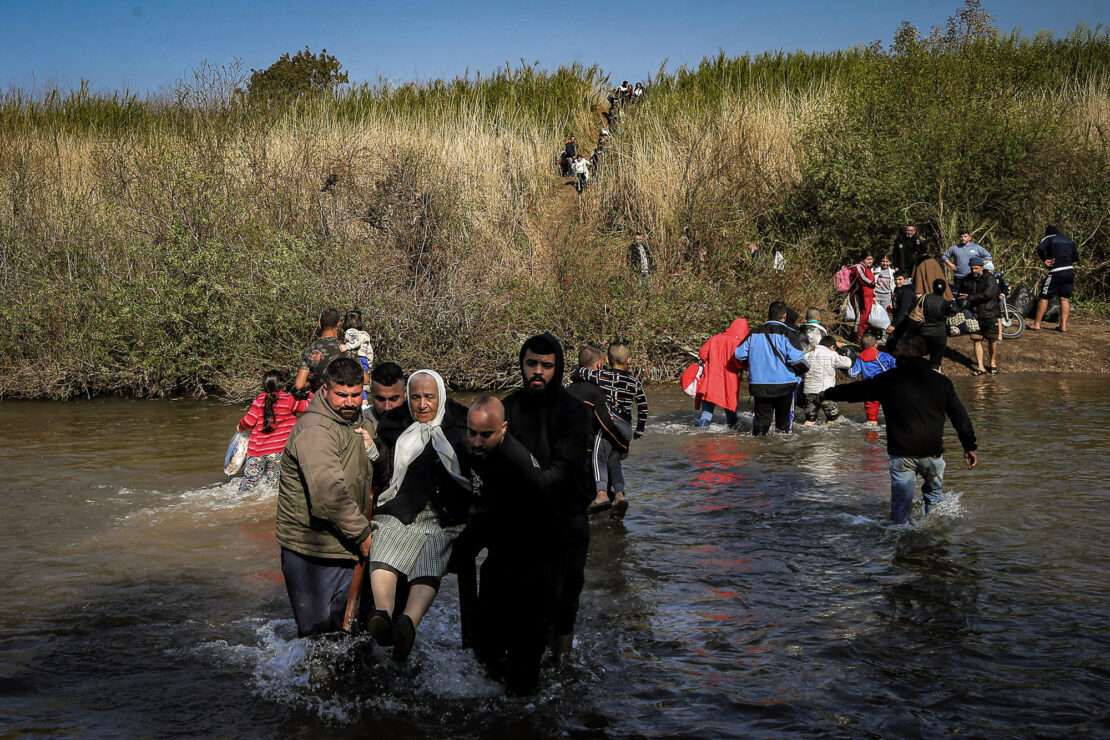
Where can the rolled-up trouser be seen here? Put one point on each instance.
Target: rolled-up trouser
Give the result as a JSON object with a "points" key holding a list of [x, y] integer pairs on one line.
{"points": [[317, 589], [572, 572], [811, 406], [903, 479]]}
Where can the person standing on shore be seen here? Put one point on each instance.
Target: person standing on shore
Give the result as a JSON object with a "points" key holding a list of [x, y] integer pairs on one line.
{"points": [[962, 253], [907, 250], [915, 401], [862, 293], [323, 496], [319, 353], [980, 288], [1059, 255]]}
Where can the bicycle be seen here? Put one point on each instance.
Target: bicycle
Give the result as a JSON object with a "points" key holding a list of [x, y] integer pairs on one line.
{"points": [[1013, 323]]}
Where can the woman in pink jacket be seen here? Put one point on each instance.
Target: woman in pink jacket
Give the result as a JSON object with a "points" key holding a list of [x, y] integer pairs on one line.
{"points": [[862, 292], [719, 385]]}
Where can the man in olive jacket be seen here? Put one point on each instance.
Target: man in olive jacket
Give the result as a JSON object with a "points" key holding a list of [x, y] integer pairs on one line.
{"points": [[324, 493]]}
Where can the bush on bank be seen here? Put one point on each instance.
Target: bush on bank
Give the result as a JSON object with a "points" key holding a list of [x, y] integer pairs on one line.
{"points": [[185, 244]]}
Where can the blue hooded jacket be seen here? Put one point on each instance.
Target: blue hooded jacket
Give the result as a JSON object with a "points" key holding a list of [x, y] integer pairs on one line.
{"points": [[774, 359]]}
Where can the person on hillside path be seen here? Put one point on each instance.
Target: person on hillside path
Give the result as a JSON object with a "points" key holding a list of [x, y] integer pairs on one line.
{"points": [[1059, 255], [719, 386], [862, 293], [775, 361], [639, 257], [915, 401]]}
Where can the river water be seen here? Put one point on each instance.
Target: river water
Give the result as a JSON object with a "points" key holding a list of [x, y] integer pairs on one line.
{"points": [[755, 589]]}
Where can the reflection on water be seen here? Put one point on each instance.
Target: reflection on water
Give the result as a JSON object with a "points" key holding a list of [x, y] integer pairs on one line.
{"points": [[755, 588]]}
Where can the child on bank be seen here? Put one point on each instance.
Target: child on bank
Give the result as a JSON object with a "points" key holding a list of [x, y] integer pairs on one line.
{"points": [[623, 390], [270, 419], [824, 361], [869, 363], [884, 282]]}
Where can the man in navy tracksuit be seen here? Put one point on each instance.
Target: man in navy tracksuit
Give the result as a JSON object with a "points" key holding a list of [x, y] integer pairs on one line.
{"points": [[1059, 255], [773, 354]]}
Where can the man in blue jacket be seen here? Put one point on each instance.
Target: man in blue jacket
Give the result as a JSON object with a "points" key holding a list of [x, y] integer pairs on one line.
{"points": [[773, 353]]}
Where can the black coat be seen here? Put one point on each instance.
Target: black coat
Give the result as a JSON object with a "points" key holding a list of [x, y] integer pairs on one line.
{"points": [[903, 300], [982, 295], [557, 429], [906, 252], [598, 401], [426, 479], [915, 399]]}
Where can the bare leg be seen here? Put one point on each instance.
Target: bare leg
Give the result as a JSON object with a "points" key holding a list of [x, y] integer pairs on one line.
{"points": [[384, 585], [1065, 309], [992, 350], [1042, 306], [977, 348], [421, 597]]}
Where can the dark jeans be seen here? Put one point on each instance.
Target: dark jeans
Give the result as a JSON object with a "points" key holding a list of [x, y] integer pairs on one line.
{"points": [[779, 408], [318, 589], [934, 346]]}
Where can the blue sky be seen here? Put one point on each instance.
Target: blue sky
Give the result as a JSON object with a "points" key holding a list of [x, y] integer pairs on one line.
{"points": [[147, 46]]}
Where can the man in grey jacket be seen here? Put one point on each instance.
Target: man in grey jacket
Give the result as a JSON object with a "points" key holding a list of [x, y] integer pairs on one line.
{"points": [[323, 497]]}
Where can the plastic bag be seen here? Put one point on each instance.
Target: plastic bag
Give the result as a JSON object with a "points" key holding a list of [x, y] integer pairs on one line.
{"points": [[878, 318], [691, 378], [236, 453], [849, 311]]}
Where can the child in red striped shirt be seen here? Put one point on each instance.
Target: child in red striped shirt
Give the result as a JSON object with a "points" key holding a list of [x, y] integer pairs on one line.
{"points": [[270, 419]]}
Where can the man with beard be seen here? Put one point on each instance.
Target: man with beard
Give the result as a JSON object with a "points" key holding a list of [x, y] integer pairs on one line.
{"points": [[556, 428], [907, 250], [322, 500]]}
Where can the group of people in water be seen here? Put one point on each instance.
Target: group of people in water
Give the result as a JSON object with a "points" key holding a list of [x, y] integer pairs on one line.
{"points": [[383, 471], [380, 473]]}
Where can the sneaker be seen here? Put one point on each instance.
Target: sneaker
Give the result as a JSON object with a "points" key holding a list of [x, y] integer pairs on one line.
{"points": [[404, 635]]}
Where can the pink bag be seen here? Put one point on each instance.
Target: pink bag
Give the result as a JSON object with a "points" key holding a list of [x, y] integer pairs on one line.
{"points": [[842, 280]]}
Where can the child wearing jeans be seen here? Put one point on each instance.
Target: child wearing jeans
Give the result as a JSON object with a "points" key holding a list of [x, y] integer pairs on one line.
{"points": [[869, 363]]}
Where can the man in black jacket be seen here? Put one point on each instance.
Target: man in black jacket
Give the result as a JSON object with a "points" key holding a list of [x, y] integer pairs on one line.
{"points": [[908, 248], [980, 288], [915, 399], [555, 427]]}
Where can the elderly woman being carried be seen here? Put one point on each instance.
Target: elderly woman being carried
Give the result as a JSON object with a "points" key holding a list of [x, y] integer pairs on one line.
{"points": [[422, 510]]}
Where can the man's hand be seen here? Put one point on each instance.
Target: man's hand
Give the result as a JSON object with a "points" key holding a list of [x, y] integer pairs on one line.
{"points": [[638, 435], [971, 459], [367, 437], [364, 547]]}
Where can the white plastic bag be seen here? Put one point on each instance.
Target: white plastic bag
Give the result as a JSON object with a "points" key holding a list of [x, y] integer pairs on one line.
{"points": [[236, 453], [879, 318], [849, 311]]}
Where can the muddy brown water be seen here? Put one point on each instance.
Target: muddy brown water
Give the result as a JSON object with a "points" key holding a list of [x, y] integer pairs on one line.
{"points": [[755, 589]]}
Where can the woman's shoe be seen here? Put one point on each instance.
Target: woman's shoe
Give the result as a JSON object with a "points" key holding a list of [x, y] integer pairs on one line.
{"points": [[977, 372], [380, 627], [404, 635], [993, 370]]}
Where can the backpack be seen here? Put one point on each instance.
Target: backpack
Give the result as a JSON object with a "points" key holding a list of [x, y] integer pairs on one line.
{"points": [[691, 377], [842, 280]]}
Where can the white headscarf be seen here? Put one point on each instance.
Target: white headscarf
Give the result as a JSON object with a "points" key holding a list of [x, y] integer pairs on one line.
{"points": [[416, 437]]}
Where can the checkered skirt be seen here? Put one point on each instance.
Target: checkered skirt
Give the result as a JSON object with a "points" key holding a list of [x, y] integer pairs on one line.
{"points": [[419, 550]]}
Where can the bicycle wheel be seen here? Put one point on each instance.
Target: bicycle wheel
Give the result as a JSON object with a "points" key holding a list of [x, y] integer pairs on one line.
{"points": [[1013, 325]]}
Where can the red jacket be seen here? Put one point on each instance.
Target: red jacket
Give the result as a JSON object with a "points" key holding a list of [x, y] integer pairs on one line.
{"points": [[720, 383]]}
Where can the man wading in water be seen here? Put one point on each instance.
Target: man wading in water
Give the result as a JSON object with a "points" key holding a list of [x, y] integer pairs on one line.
{"points": [[323, 495]]}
